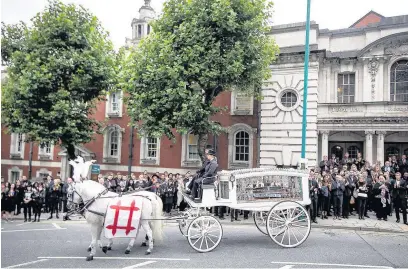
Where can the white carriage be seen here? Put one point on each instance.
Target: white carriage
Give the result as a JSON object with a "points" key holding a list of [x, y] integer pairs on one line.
{"points": [[277, 198]]}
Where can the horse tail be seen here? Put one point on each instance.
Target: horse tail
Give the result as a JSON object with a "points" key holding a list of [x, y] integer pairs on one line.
{"points": [[158, 222]]}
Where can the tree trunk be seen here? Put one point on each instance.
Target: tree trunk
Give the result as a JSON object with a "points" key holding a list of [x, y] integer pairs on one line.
{"points": [[202, 143], [71, 151]]}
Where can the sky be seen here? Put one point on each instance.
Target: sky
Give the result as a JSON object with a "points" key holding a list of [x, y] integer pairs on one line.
{"points": [[116, 16]]}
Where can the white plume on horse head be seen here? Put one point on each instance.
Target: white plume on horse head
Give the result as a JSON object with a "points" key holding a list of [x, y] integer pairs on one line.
{"points": [[81, 168], [79, 159]]}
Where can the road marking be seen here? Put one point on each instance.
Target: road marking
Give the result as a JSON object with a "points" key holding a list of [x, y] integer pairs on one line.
{"points": [[31, 230], [118, 258], [333, 264], [27, 263], [56, 226], [287, 267], [24, 223], [139, 264]]}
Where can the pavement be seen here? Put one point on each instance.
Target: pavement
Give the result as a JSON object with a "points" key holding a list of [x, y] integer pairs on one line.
{"points": [[352, 223], [63, 245]]}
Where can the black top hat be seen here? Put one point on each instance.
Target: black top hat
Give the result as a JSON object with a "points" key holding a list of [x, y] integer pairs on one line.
{"points": [[211, 152]]}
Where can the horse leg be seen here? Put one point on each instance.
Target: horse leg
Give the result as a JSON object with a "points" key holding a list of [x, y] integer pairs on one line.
{"points": [[130, 246], [98, 240], [108, 246], [94, 233], [144, 243], [99, 232], [146, 227]]}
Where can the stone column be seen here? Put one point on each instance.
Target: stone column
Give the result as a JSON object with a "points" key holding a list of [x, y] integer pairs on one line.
{"points": [[325, 143], [380, 146], [369, 146]]}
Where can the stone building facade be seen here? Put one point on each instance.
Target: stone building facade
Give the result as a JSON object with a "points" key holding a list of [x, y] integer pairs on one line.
{"points": [[235, 149], [357, 92]]}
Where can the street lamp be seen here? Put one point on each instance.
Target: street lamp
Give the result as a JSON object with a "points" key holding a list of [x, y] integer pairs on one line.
{"points": [[305, 81]]}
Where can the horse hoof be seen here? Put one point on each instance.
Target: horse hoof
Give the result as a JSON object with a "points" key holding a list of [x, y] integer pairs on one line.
{"points": [[89, 258], [105, 249], [144, 244], [127, 251], [109, 248], [89, 249], [147, 253]]}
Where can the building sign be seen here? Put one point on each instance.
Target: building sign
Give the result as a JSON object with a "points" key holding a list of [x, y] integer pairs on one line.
{"points": [[96, 169]]}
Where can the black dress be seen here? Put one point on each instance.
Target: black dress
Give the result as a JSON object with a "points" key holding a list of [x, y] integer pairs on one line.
{"points": [[10, 201], [3, 201]]}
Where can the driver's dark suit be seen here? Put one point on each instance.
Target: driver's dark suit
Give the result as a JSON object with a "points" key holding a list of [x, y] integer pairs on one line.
{"points": [[207, 177]]}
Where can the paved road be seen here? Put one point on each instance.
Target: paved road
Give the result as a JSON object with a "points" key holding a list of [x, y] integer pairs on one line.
{"points": [[63, 244]]}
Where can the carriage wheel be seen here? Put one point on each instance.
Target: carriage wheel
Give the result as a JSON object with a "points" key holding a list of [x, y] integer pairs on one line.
{"points": [[204, 233], [288, 224], [188, 216], [260, 218]]}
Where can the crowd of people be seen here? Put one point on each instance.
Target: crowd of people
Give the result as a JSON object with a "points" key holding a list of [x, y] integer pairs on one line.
{"points": [[34, 198], [340, 187]]}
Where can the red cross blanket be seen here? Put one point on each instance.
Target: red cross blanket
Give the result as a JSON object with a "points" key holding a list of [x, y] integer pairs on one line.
{"points": [[123, 217]]}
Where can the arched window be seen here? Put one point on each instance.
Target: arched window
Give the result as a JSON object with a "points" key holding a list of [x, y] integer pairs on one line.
{"points": [[352, 151], [338, 151], [241, 146], [399, 81], [392, 151], [113, 143]]}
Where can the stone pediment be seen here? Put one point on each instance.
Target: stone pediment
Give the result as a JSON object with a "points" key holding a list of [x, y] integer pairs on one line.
{"points": [[392, 45], [84, 151]]}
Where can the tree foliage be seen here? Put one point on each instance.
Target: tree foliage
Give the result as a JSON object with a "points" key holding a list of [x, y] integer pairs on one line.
{"points": [[197, 50], [57, 69]]}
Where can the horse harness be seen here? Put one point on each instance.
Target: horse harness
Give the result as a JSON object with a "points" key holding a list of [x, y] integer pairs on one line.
{"points": [[81, 209]]}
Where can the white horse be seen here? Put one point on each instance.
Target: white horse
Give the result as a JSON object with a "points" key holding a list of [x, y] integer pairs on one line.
{"points": [[151, 213]]}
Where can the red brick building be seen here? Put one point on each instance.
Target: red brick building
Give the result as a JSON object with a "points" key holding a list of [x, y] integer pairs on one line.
{"points": [[235, 149]]}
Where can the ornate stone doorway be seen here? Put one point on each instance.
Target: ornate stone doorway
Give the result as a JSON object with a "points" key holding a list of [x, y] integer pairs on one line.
{"points": [[340, 148], [66, 169]]}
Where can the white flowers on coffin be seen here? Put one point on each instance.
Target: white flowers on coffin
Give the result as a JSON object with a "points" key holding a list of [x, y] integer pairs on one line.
{"points": [[81, 168]]}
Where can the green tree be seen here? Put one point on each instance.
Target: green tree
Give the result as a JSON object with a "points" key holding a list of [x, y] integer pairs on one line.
{"points": [[58, 69], [198, 49]]}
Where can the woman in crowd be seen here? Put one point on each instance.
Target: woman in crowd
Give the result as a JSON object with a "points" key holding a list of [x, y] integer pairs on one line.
{"points": [[325, 191], [362, 194], [19, 196], [10, 202], [55, 193], [38, 200], [28, 203], [382, 198], [3, 201]]}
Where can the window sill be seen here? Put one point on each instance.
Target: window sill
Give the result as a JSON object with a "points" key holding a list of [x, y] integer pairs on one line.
{"points": [[238, 165], [110, 160], [149, 161], [114, 115], [196, 163], [242, 112], [16, 156], [44, 157]]}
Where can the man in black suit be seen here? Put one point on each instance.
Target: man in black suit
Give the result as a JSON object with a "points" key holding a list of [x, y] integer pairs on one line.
{"points": [[399, 195], [208, 176]]}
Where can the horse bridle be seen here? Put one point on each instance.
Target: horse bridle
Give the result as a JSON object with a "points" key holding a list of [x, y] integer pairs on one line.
{"points": [[81, 206]]}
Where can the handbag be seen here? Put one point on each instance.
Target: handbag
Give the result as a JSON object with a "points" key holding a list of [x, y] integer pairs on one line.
{"points": [[352, 200]]}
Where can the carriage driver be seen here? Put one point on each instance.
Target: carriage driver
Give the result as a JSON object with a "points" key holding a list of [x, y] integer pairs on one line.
{"points": [[210, 171]]}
